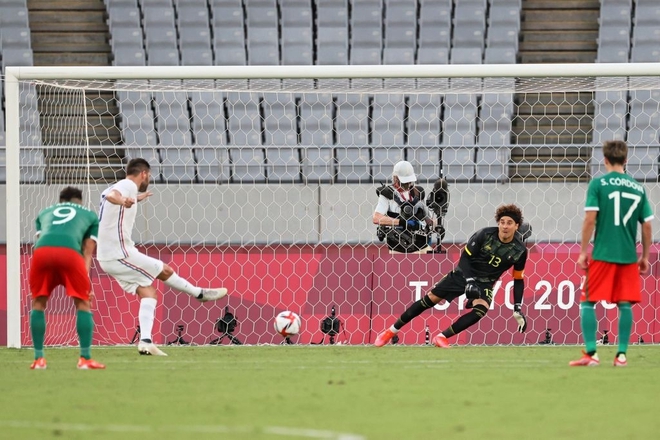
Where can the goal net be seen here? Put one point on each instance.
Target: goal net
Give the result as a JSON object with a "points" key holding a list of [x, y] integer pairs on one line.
{"points": [[265, 180]]}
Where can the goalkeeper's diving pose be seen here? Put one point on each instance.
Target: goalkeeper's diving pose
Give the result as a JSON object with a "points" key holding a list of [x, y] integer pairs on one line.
{"points": [[488, 254]]}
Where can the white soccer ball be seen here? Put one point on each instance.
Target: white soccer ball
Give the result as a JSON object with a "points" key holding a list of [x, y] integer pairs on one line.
{"points": [[287, 323]]}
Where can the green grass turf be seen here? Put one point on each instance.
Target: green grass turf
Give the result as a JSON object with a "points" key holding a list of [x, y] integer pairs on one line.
{"points": [[330, 392]]}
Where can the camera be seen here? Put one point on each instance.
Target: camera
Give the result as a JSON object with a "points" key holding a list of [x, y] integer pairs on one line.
{"points": [[226, 325]]}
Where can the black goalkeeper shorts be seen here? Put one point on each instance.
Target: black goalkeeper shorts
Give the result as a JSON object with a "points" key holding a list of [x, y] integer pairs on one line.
{"points": [[452, 285]]}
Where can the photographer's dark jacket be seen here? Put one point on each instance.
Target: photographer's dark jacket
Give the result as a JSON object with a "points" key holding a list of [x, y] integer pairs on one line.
{"points": [[406, 205]]}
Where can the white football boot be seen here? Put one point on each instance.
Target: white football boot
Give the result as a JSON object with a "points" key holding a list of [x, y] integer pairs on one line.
{"points": [[212, 294], [149, 348]]}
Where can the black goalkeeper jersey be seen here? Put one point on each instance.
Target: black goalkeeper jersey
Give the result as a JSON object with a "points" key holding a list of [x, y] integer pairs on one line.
{"points": [[485, 258]]}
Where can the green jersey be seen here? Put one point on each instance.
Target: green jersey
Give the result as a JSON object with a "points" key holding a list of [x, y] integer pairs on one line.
{"points": [[66, 225], [621, 203]]}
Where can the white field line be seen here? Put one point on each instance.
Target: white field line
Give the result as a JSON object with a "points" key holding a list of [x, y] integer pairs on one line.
{"points": [[188, 429]]}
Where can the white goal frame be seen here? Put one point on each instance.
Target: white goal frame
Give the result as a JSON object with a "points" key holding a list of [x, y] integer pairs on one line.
{"points": [[15, 74]]}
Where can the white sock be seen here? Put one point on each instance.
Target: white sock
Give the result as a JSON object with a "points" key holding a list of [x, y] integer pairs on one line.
{"points": [[178, 283], [394, 330], [146, 316]]}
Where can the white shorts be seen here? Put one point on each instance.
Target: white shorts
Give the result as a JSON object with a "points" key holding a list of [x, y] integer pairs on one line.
{"points": [[137, 270]]}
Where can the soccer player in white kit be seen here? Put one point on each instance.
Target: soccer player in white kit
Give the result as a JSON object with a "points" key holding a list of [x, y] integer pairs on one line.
{"points": [[134, 271]]}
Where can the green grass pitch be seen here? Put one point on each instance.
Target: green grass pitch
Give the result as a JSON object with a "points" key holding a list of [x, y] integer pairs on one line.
{"points": [[331, 392]]}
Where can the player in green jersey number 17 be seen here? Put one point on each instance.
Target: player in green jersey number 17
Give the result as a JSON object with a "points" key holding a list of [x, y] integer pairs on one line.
{"points": [[616, 204]]}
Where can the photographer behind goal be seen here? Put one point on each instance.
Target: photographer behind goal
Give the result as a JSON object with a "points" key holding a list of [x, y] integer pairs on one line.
{"points": [[402, 215]]}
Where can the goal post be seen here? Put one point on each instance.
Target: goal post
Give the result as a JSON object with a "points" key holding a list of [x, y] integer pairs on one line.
{"points": [[279, 203]]}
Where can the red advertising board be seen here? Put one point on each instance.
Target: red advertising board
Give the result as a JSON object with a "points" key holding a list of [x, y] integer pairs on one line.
{"points": [[368, 287]]}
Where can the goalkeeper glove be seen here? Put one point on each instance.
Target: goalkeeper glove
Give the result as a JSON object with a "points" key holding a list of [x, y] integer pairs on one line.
{"points": [[471, 288], [520, 318], [411, 225]]}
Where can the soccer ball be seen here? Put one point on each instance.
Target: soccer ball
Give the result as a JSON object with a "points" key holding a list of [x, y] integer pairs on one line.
{"points": [[287, 323]]}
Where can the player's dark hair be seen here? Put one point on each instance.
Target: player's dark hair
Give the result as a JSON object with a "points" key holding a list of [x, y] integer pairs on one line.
{"points": [[509, 211], [69, 193], [616, 152], [136, 166]]}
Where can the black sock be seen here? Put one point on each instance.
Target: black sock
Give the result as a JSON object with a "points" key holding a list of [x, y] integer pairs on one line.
{"points": [[415, 309], [466, 320], [148, 341]]}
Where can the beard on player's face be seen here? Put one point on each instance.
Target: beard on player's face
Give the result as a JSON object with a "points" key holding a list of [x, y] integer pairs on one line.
{"points": [[144, 185]]}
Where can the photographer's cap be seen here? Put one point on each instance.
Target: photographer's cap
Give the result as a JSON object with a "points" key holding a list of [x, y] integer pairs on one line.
{"points": [[405, 172]]}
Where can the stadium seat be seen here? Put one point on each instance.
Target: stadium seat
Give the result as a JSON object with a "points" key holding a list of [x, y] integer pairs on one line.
{"points": [[280, 119], [16, 57], [352, 121], [387, 120], [213, 164], [244, 120], [647, 13], [492, 164], [495, 119], [283, 164], [353, 165], [332, 46], [610, 108], [384, 159], [614, 14], [15, 38], [137, 118], [458, 163], [426, 162], [423, 120], [465, 55], [500, 55], [208, 118], [173, 120], [469, 37], [32, 164], [129, 57], [502, 37], [644, 117], [431, 55], [178, 164], [643, 161], [318, 165], [3, 159], [248, 165], [14, 16], [151, 155], [459, 124], [614, 52], [316, 122]]}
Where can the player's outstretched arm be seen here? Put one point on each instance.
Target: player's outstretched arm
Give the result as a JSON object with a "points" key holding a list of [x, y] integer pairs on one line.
{"points": [[116, 198], [647, 235], [144, 195], [518, 291], [88, 248]]}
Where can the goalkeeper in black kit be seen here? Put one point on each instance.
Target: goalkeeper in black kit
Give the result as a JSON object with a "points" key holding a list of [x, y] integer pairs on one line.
{"points": [[488, 254]]}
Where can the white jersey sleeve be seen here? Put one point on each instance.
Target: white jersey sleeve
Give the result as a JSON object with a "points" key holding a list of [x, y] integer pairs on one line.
{"points": [[116, 223]]}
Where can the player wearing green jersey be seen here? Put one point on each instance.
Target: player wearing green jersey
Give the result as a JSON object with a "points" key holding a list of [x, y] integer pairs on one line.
{"points": [[615, 204], [62, 256]]}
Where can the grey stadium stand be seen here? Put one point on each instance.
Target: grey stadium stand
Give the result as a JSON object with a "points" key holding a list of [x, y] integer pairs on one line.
{"points": [[318, 164], [208, 121], [316, 123], [280, 119], [283, 164], [387, 120], [352, 122], [244, 121]]}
